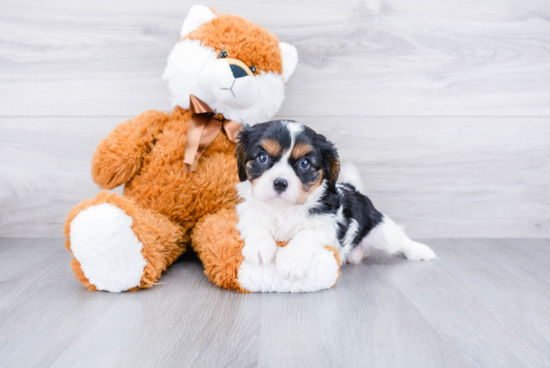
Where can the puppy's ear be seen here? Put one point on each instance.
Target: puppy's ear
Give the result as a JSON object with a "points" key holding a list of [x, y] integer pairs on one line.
{"points": [[241, 149], [331, 162]]}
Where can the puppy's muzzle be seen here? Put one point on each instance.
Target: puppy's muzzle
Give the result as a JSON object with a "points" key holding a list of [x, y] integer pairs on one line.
{"points": [[280, 185]]}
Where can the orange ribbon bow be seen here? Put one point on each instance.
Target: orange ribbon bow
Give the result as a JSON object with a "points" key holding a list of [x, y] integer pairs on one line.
{"points": [[204, 127]]}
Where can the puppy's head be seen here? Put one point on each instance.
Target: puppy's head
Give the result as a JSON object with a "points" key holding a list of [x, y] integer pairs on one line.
{"points": [[286, 161]]}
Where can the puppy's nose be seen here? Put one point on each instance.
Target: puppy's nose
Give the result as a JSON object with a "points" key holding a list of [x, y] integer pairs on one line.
{"points": [[280, 185], [237, 71]]}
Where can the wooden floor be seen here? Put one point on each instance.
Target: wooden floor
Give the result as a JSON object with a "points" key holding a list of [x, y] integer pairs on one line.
{"points": [[483, 303]]}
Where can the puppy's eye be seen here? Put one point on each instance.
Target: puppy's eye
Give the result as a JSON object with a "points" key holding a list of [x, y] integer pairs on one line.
{"points": [[262, 158], [253, 69], [304, 164], [223, 54]]}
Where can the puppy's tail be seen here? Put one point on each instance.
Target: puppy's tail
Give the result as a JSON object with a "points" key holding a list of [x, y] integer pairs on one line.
{"points": [[349, 173]]}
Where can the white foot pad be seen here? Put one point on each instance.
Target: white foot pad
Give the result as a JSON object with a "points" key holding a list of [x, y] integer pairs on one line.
{"points": [[109, 252], [264, 278], [418, 252]]}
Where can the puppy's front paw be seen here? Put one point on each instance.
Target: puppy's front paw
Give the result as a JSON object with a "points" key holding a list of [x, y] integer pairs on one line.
{"points": [[293, 263], [260, 251]]}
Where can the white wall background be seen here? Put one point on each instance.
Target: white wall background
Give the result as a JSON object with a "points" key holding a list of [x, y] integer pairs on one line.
{"points": [[445, 105]]}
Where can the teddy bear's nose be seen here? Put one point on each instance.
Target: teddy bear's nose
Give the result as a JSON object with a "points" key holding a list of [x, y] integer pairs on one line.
{"points": [[238, 71]]}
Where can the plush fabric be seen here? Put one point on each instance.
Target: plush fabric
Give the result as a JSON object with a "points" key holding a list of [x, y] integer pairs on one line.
{"points": [[243, 39], [219, 247], [164, 201], [164, 209], [163, 241]]}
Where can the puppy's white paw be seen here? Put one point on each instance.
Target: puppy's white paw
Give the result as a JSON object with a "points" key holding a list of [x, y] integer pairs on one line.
{"points": [[260, 251], [419, 252], [293, 263]]}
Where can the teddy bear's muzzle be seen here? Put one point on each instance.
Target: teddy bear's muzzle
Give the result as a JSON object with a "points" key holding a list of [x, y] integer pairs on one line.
{"points": [[230, 82]]}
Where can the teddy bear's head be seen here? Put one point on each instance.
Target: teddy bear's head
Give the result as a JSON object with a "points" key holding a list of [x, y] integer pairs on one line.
{"points": [[235, 66]]}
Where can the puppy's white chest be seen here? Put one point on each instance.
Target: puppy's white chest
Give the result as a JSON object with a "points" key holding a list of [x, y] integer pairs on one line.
{"points": [[284, 224]]}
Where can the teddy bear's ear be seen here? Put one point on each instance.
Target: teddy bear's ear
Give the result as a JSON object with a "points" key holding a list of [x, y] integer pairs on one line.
{"points": [[198, 14], [290, 59]]}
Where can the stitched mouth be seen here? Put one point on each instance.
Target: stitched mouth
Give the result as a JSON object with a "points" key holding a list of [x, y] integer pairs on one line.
{"points": [[230, 89]]}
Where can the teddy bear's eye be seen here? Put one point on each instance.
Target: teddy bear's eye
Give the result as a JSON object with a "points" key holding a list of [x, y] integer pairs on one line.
{"points": [[253, 69], [223, 54]]}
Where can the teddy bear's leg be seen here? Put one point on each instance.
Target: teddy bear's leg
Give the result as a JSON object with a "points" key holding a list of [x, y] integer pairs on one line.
{"points": [[219, 246], [120, 246]]}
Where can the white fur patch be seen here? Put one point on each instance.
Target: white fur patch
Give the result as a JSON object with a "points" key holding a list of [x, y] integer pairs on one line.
{"points": [[270, 94], [193, 68], [264, 278], [198, 15], [109, 252], [356, 255], [350, 174], [281, 220], [350, 236], [390, 237], [185, 64], [296, 267], [290, 59], [294, 128]]}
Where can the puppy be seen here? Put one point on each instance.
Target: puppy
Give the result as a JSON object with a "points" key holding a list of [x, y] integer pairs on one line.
{"points": [[289, 192]]}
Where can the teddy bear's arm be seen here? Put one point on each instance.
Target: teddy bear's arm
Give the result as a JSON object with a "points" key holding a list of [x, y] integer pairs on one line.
{"points": [[119, 155]]}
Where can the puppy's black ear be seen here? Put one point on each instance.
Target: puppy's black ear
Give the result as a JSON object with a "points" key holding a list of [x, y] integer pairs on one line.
{"points": [[241, 149], [331, 162]]}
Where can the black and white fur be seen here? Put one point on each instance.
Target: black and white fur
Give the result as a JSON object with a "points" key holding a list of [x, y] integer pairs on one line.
{"points": [[309, 210]]}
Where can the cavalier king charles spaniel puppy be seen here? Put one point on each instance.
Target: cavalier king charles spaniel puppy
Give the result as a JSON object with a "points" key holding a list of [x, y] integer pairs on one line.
{"points": [[290, 193]]}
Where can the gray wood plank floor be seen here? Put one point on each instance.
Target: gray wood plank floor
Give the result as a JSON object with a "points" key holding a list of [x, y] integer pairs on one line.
{"points": [[483, 303]]}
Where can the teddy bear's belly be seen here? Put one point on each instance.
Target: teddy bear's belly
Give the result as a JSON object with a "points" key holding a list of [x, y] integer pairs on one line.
{"points": [[185, 197]]}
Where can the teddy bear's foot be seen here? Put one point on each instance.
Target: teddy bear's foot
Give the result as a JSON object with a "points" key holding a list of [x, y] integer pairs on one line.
{"points": [[108, 250], [119, 246]]}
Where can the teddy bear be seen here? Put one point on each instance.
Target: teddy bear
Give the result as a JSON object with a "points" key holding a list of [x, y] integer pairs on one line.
{"points": [[179, 169]]}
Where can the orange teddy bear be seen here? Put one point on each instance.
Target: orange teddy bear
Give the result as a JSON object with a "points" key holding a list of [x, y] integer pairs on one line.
{"points": [[179, 171]]}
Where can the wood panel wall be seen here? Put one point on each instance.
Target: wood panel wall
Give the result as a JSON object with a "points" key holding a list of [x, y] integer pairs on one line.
{"points": [[444, 105]]}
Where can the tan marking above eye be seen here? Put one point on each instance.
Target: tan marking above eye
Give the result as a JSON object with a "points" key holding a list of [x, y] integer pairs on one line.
{"points": [[272, 147], [300, 149]]}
